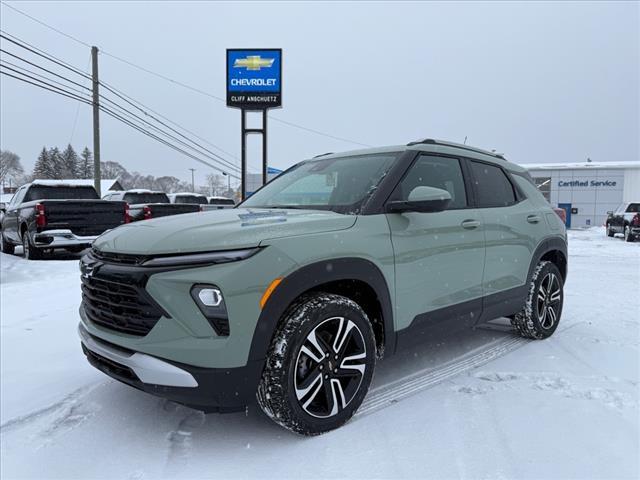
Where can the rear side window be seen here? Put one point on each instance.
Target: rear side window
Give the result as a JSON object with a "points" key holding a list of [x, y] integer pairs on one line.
{"points": [[493, 188], [439, 172], [46, 192]]}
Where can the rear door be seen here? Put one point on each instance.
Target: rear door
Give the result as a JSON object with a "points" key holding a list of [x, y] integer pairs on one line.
{"points": [[439, 256], [513, 228]]}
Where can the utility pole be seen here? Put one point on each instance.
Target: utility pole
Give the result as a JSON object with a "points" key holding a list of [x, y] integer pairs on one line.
{"points": [[193, 183], [96, 120]]}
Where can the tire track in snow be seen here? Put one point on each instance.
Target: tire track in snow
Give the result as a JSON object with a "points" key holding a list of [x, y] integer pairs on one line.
{"points": [[391, 393], [180, 439]]}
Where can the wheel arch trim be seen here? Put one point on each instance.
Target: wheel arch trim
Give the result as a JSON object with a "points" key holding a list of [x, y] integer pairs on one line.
{"points": [[551, 244], [312, 276]]}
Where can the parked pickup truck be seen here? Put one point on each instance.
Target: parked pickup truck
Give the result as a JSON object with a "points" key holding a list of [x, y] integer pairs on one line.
{"points": [[193, 199], [625, 220], [47, 214], [146, 204]]}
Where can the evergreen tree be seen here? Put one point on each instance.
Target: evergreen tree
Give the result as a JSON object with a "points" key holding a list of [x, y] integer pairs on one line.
{"points": [[44, 167], [69, 163], [86, 164], [57, 163]]}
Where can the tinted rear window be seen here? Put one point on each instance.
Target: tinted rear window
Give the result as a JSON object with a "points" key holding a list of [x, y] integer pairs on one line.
{"points": [[134, 198], [633, 208], [492, 186], [199, 199], [222, 201], [45, 192]]}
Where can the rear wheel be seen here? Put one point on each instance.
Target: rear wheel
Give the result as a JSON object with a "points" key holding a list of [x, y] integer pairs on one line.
{"points": [[320, 365], [541, 313], [7, 247], [30, 251], [628, 237]]}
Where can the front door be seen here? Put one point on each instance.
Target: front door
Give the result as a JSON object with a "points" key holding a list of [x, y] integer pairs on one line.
{"points": [[567, 208], [439, 257]]}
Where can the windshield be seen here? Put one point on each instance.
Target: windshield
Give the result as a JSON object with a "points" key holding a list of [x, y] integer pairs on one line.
{"points": [[46, 192], [134, 198], [339, 184], [198, 199]]}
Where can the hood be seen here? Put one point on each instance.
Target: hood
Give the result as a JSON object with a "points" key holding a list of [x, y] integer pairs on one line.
{"points": [[218, 230]]}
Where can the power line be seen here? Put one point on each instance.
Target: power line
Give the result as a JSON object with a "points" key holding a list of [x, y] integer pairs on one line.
{"points": [[184, 85], [41, 68], [60, 91], [46, 25]]}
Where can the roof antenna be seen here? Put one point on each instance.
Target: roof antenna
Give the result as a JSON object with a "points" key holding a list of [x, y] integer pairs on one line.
{"points": [[465, 140]]}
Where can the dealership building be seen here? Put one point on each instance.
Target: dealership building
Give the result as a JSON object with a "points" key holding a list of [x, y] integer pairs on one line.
{"points": [[587, 191]]}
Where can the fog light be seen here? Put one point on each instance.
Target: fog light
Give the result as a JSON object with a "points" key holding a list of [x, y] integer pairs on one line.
{"points": [[211, 297]]}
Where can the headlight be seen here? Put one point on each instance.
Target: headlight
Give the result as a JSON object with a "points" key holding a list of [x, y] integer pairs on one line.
{"points": [[200, 258], [210, 301]]}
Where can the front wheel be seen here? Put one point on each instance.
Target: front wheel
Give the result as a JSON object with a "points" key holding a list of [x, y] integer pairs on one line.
{"points": [[541, 313], [320, 365], [609, 231], [6, 247]]}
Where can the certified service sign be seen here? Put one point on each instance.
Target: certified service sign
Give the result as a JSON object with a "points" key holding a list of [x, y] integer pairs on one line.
{"points": [[254, 78]]}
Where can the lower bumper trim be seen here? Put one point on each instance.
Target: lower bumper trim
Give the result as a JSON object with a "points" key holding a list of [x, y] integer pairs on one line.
{"points": [[61, 238], [148, 369]]}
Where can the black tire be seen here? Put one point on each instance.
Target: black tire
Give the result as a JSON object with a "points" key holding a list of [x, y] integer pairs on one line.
{"points": [[610, 232], [628, 237], [8, 248], [29, 251], [542, 311], [330, 390]]}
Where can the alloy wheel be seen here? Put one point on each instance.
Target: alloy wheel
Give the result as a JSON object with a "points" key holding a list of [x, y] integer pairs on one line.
{"points": [[548, 300], [330, 367]]}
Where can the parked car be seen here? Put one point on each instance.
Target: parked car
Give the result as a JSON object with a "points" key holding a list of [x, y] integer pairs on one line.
{"points": [[146, 204], [186, 197], [562, 213], [47, 214], [294, 302], [625, 220], [220, 203]]}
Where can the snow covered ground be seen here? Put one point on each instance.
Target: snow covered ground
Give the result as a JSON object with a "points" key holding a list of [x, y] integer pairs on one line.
{"points": [[485, 404]]}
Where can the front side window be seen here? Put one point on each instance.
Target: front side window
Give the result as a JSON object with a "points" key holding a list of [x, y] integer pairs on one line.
{"points": [[439, 172], [340, 184], [17, 197], [492, 186]]}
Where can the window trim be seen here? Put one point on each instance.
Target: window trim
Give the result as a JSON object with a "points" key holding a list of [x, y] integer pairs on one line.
{"points": [[517, 193], [468, 199]]}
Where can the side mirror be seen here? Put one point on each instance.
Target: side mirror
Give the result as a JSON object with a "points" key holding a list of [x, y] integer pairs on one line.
{"points": [[422, 199], [3, 207], [609, 212]]}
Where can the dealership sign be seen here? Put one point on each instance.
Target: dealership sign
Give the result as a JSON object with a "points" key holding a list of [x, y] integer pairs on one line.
{"points": [[254, 78], [586, 183]]}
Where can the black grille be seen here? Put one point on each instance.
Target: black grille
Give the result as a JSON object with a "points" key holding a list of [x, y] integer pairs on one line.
{"points": [[122, 258], [118, 306]]}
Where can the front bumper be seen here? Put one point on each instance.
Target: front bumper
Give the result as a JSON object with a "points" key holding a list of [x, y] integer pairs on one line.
{"points": [[61, 239], [206, 389]]}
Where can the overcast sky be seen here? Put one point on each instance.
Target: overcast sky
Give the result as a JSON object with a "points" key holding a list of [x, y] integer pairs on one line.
{"points": [[541, 82]]}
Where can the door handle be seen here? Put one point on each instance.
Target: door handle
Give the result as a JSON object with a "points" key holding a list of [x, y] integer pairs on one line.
{"points": [[533, 219], [470, 224]]}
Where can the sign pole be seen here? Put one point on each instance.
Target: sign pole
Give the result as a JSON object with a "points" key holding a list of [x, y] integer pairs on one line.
{"points": [[243, 155], [264, 146]]}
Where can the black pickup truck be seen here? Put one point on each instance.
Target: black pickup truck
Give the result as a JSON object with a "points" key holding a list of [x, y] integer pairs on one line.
{"points": [[146, 204], [625, 220], [47, 215]]}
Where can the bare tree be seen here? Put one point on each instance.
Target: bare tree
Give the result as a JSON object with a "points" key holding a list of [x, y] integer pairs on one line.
{"points": [[215, 183], [10, 167]]}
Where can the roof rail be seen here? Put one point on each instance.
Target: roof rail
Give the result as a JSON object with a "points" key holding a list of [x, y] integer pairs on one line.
{"points": [[431, 141], [323, 154]]}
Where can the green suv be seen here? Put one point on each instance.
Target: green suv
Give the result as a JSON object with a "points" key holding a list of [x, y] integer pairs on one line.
{"points": [[293, 296]]}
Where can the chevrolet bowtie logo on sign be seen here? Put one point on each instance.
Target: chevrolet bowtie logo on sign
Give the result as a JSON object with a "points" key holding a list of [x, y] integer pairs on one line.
{"points": [[253, 62], [254, 78]]}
